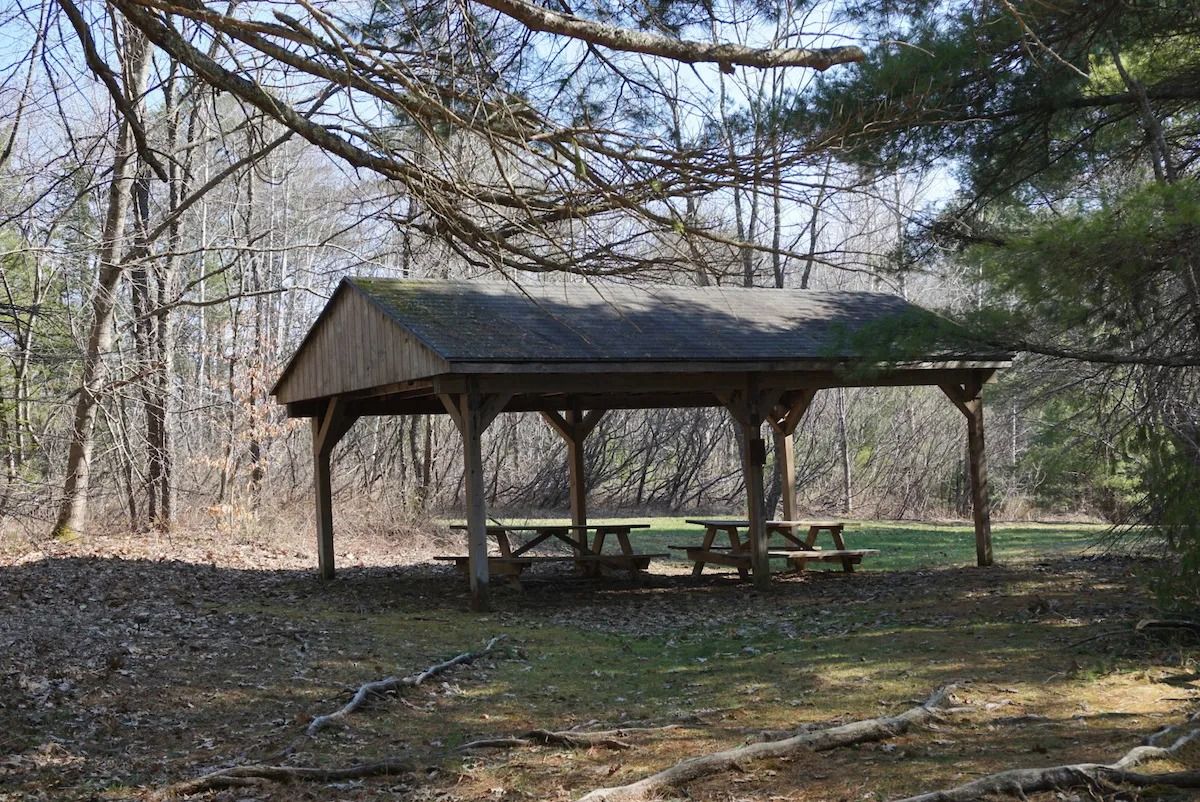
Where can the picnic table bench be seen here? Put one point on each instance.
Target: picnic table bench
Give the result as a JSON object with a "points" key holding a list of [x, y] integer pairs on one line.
{"points": [[797, 552], [587, 553]]}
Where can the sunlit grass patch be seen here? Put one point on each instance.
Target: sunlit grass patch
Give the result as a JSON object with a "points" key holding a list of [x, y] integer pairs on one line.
{"points": [[902, 545]]}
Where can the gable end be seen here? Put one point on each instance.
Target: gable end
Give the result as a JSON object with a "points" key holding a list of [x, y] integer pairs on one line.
{"points": [[354, 345]]}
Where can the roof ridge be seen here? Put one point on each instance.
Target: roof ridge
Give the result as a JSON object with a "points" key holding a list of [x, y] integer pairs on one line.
{"points": [[600, 288]]}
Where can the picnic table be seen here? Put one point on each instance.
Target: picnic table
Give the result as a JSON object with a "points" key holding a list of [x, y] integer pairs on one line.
{"points": [[587, 551], [797, 552]]}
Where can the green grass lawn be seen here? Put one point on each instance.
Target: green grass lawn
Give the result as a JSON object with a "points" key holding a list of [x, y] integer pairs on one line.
{"points": [[901, 545], [911, 545]]}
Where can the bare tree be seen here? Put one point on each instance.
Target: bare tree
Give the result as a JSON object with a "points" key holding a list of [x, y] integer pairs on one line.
{"points": [[134, 57]]}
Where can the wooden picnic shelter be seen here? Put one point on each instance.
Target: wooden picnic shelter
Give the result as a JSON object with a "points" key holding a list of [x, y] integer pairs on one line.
{"points": [[574, 350]]}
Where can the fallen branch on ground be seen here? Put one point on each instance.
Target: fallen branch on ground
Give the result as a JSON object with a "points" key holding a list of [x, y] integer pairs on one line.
{"points": [[391, 683], [1146, 626], [239, 776], [571, 739], [876, 729], [1168, 624], [1019, 782], [651, 723]]}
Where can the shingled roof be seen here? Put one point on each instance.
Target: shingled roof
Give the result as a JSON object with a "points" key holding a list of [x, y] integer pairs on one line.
{"points": [[447, 325], [497, 322]]}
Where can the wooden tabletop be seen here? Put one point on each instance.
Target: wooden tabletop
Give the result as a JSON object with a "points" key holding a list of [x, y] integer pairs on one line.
{"points": [[543, 527], [735, 522]]}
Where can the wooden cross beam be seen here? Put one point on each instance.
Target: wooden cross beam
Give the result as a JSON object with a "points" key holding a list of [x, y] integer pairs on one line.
{"points": [[787, 414], [575, 425], [489, 406]]}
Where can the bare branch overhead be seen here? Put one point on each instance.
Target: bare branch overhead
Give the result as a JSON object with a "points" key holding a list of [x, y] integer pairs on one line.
{"points": [[507, 172], [544, 20]]}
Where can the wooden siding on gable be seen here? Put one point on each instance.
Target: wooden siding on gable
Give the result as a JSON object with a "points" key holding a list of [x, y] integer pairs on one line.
{"points": [[356, 347]]}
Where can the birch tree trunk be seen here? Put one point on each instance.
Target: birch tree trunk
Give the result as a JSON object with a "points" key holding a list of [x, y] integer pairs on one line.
{"points": [[72, 514]]}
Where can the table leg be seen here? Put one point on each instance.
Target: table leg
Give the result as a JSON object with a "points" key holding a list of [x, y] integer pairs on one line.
{"points": [[710, 534], [596, 548], [736, 547], [502, 542], [622, 534], [809, 542], [514, 579], [836, 533], [623, 539]]}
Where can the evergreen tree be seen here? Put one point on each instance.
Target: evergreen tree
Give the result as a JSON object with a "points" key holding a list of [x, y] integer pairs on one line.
{"points": [[1074, 132]]}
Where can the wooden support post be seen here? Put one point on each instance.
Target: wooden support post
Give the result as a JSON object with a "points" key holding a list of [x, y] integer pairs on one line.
{"points": [[323, 487], [969, 400], [327, 429], [747, 407], [754, 453], [472, 413], [979, 483], [472, 437], [574, 428], [785, 455], [576, 476]]}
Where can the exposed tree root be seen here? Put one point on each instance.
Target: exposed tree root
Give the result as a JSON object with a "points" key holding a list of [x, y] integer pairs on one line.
{"points": [[1019, 782], [571, 739], [391, 683], [875, 729], [237, 776]]}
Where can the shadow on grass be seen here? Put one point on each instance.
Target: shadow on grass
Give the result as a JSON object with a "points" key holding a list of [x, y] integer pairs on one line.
{"points": [[143, 672]]}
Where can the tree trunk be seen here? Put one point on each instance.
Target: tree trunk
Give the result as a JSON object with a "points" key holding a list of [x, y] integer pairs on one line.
{"points": [[19, 429], [145, 339], [255, 448], [72, 514], [814, 231], [426, 461], [844, 453], [774, 487], [165, 274], [118, 432]]}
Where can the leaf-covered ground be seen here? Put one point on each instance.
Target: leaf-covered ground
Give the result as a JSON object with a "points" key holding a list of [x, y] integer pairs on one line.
{"points": [[129, 664]]}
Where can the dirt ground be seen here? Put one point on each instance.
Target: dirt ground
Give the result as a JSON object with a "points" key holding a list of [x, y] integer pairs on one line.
{"points": [[129, 664]]}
